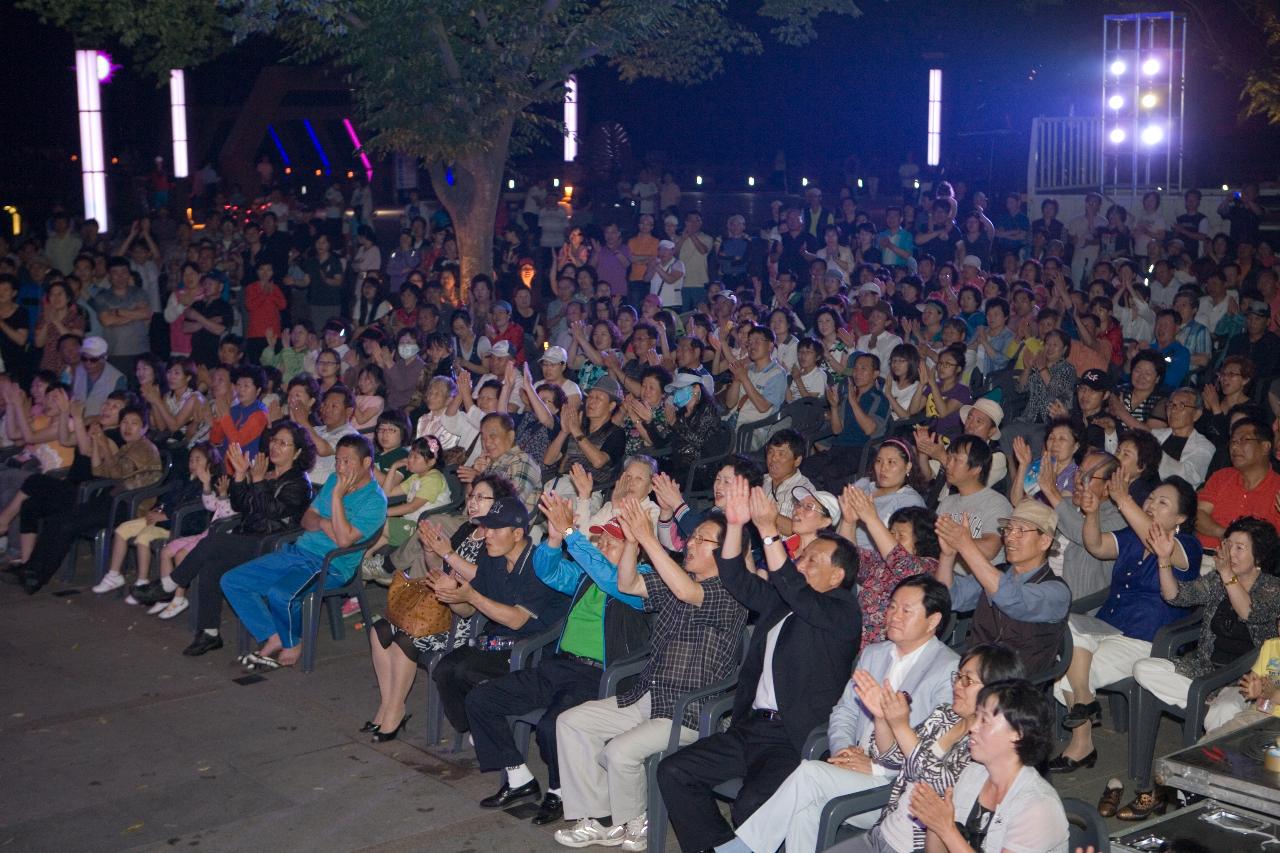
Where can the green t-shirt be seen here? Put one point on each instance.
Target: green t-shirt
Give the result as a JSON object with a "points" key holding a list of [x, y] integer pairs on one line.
{"points": [[584, 629]]}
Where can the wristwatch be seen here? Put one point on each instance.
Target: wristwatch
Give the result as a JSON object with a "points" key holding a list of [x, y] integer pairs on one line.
{"points": [[568, 531], [769, 540], [1234, 579]]}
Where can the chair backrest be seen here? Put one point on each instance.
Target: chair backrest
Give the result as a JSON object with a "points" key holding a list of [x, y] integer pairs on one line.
{"points": [[808, 416], [1085, 827], [1060, 664]]}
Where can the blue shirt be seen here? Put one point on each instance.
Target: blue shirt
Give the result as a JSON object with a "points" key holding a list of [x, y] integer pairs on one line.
{"points": [[874, 403], [1135, 605], [366, 510], [1015, 598], [564, 575], [1177, 360], [903, 240]]}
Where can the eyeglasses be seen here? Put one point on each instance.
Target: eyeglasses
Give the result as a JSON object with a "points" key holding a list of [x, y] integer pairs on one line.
{"points": [[964, 679], [1174, 404], [478, 498], [706, 539], [92, 359], [1010, 530], [1241, 442], [1235, 374], [813, 506]]}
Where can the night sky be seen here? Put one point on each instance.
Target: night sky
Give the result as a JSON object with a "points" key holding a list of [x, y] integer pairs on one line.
{"points": [[859, 89]]}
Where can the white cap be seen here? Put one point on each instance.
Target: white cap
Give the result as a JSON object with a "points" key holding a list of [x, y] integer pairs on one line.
{"points": [[971, 261], [502, 349], [666, 244], [555, 355], [94, 347]]}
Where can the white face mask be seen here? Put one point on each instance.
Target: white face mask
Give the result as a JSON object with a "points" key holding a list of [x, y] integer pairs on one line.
{"points": [[407, 351]]}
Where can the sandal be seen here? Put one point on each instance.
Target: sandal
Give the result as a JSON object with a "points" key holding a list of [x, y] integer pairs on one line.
{"points": [[255, 662]]}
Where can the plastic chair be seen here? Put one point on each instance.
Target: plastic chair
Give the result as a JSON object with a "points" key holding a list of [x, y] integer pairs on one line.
{"points": [[1085, 827], [320, 594], [831, 828]]}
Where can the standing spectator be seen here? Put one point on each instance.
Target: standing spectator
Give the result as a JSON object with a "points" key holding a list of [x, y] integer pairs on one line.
{"points": [[1258, 344], [1192, 227], [15, 331], [666, 276], [1048, 223], [1149, 225], [643, 249], [896, 243], [63, 245], [124, 312], [206, 321], [321, 295], [1086, 240], [264, 303], [1243, 211], [611, 261], [693, 249]]}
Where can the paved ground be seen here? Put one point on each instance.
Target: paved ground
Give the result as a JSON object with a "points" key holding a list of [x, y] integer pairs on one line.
{"points": [[114, 741]]}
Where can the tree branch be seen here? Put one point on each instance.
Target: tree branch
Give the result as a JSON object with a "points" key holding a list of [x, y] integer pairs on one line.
{"points": [[447, 56], [585, 55]]}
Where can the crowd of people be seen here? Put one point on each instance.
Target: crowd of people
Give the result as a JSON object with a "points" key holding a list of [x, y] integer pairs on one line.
{"points": [[869, 462]]}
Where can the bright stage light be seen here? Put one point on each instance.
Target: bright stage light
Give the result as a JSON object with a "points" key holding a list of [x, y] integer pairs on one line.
{"points": [[104, 68], [933, 139], [1118, 135], [804, 182], [1115, 102], [751, 181], [359, 148], [1118, 67], [571, 119], [555, 182], [697, 179], [178, 118], [1152, 135], [1225, 188], [1149, 100], [511, 183], [1151, 67], [92, 161]]}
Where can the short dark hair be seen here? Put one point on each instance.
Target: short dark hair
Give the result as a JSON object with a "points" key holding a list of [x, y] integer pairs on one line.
{"points": [[1149, 452], [1187, 499], [1001, 303], [1260, 426], [746, 468], [923, 531], [398, 419], [348, 399], [1154, 358], [301, 441], [1266, 544], [251, 372], [789, 439], [502, 418], [136, 409], [361, 445], [937, 598], [977, 453], [844, 556], [999, 662], [1026, 709]]}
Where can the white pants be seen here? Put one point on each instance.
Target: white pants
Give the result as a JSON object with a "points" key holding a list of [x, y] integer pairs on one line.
{"points": [[602, 749], [1113, 656], [794, 813], [1229, 711], [1160, 677]]}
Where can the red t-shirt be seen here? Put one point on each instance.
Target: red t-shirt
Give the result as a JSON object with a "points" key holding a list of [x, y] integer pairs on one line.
{"points": [[263, 309], [1226, 491]]}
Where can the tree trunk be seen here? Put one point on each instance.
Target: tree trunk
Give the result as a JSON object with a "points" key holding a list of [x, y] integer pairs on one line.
{"points": [[472, 203]]}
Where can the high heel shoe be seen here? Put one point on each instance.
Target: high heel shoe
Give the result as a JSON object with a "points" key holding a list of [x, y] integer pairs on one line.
{"points": [[382, 737], [369, 727], [1066, 764]]}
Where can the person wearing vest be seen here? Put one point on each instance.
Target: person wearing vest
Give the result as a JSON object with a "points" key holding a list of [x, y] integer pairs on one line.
{"points": [[1023, 607], [603, 625]]}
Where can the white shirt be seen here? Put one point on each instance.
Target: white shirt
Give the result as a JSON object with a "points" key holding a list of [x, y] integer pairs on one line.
{"points": [[885, 344], [1210, 315], [781, 493], [670, 293], [815, 382], [766, 697]]}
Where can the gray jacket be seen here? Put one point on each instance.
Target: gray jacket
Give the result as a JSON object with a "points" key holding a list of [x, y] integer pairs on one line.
{"points": [[1082, 571]]}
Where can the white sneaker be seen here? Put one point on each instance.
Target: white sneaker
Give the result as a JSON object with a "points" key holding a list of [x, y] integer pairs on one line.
{"points": [[157, 607], [110, 582], [589, 832], [637, 835], [173, 608]]}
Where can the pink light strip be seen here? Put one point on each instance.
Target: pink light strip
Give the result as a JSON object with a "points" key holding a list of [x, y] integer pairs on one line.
{"points": [[355, 140]]}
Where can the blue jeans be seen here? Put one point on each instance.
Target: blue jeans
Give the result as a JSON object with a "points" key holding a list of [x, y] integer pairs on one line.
{"points": [[266, 593]]}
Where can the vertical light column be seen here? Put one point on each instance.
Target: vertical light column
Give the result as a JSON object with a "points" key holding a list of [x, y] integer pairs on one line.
{"points": [[359, 149], [92, 160], [933, 151], [178, 117], [571, 119]]}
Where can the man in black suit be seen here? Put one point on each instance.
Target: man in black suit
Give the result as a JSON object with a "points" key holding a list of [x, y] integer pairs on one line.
{"points": [[800, 659]]}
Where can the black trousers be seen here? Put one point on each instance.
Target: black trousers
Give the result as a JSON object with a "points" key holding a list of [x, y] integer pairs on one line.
{"points": [[832, 469], [62, 524], [756, 750], [461, 671], [213, 557], [555, 685]]}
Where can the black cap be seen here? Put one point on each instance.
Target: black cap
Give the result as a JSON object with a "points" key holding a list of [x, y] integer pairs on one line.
{"points": [[1098, 380], [506, 512]]}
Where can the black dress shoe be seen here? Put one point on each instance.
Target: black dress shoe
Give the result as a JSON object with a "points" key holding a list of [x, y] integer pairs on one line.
{"points": [[507, 795], [1081, 714], [1063, 764], [551, 810], [369, 727], [380, 736], [14, 574], [203, 643], [31, 584]]}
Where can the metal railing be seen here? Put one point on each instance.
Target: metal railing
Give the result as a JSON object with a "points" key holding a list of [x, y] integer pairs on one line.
{"points": [[1065, 154]]}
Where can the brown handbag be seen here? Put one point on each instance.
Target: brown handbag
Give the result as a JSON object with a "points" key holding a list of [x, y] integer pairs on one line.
{"points": [[412, 607]]}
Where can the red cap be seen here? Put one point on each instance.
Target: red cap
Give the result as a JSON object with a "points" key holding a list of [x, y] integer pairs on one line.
{"points": [[611, 527]]}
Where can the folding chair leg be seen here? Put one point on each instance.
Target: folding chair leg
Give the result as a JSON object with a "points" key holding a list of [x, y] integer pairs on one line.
{"points": [[657, 808], [101, 554], [333, 604], [311, 604]]}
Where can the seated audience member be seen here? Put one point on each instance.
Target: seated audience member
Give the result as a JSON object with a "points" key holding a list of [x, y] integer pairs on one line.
{"points": [[912, 660], [589, 436], [635, 481], [677, 520], [133, 464], [783, 455], [1092, 407], [603, 625], [1107, 644], [336, 407], [270, 495], [1048, 378], [499, 454], [204, 465], [1082, 571], [1139, 455], [698, 429], [968, 464], [801, 652], [1185, 452], [602, 744], [1026, 604], [47, 444], [907, 545], [464, 413], [1256, 697], [1000, 801], [945, 393], [857, 416], [1241, 602], [758, 386], [934, 752], [507, 592], [266, 592], [981, 419], [247, 419], [1140, 405], [423, 488], [1249, 487], [1051, 477], [93, 379], [892, 485]]}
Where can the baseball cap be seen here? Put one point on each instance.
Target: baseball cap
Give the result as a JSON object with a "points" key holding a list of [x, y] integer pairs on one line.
{"points": [[526, 262], [1258, 308], [971, 261], [555, 355], [608, 385], [505, 512], [94, 347], [683, 379], [829, 502], [501, 349], [1098, 380], [610, 528], [666, 244], [502, 305], [988, 407], [1041, 516]]}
